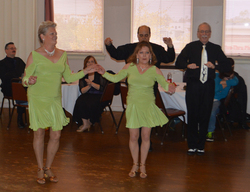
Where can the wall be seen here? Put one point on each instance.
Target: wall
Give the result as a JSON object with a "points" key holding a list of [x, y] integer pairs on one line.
{"points": [[210, 12], [17, 24], [117, 19], [117, 26]]}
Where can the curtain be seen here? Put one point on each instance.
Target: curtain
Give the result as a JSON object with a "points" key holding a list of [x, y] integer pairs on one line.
{"points": [[49, 10], [18, 24]]}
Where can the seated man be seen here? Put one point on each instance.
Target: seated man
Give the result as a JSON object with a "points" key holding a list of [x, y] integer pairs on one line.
{"points": [[223, 83], [11, 67]]}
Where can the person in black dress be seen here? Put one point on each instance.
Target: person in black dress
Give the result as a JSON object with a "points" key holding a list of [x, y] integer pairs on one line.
{"points": [[88, 108]]}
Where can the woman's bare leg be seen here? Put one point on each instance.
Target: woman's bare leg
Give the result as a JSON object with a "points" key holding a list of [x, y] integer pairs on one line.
{"points": [[145, 135], [86, 123], [134, 149], [38, 146], [52, 148]]}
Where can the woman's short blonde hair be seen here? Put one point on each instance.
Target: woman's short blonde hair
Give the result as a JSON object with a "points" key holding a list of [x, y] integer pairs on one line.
{"points": [[43, 27]]}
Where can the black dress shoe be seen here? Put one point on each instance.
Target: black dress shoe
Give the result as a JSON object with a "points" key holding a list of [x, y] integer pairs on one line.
{"points": [[245, 126], [20, 123], [200, 152], [191, 151]]}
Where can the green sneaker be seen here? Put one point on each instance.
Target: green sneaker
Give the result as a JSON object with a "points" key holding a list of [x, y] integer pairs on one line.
{"points": [[210, 136]]}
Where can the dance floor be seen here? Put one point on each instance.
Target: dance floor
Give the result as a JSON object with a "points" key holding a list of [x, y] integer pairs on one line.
{"points": [[96, 162]]}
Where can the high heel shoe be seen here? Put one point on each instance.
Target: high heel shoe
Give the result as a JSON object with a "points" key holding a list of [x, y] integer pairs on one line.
{"points": [[134, 170], [40, 180], [51, 176], [82, 128], [143, 173]]}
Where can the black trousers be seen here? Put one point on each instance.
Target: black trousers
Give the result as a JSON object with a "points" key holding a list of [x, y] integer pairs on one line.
{"points": [[199, 100], [21, 110]]}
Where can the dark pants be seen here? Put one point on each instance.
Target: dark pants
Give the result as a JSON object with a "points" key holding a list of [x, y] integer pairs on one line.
{"points": [[21, 110], [199, 100]]}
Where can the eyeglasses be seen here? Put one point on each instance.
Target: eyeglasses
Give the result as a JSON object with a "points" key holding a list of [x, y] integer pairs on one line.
{"points": [[13, 48], [205, 32]]}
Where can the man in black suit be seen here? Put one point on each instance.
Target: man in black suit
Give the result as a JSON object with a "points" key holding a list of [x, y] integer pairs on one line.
{"points": [[11, 67], [124, 51], [199, 57]]}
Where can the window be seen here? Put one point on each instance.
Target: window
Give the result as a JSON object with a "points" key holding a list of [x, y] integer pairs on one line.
{"points": [[237, 27], [166, 18], [79, 25]]}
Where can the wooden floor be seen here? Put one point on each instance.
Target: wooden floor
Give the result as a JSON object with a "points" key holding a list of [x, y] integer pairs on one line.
{"points": [[95, 162]]}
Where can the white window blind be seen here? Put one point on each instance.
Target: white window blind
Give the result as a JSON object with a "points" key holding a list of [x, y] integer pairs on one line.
{"points": [[166, 18], [79, 25], [237, 28]]}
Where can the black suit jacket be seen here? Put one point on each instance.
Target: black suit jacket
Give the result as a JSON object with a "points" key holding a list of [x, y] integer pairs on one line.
{"points": [[123, 52], [192, 54], [10, 68]]}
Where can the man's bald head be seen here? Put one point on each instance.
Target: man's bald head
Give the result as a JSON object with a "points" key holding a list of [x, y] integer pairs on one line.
{"points": [[143, 33]]}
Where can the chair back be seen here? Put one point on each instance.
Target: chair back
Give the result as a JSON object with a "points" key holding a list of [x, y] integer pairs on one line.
{"points": [[159, 103], [106, 100], [117, 85], [229, 95], [170, 113], [18, 91], [124, 93], [108, 93]]}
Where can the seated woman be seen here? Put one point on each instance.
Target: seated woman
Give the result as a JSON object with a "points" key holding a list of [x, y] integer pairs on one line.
{"points": [[88, 108]]}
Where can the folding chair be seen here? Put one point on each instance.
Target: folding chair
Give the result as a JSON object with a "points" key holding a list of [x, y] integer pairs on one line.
{"points": [[171, 113], [124, 92], [9, 98], [18, 93], [106, 99]]}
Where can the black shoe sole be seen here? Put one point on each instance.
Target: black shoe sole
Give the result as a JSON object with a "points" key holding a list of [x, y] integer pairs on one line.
{"points": [[210, 140], [200, 154]]}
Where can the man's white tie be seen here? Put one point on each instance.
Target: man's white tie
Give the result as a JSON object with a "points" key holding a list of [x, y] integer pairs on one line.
{"points": [[204, 70]]}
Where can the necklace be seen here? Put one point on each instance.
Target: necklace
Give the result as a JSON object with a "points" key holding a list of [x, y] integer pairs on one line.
{"points": [[50, 53], [142, 69]]}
